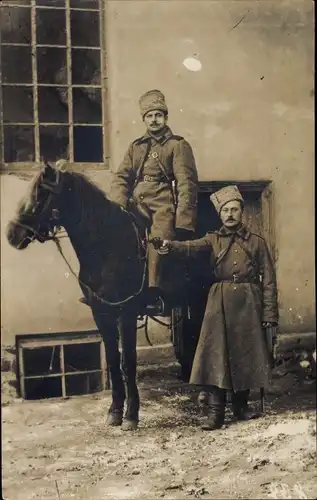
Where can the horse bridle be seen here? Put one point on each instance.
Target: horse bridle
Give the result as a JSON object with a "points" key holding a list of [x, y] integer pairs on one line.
{"points": [[54, 188]]}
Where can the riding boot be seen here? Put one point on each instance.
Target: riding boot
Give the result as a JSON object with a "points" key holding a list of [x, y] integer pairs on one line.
{"points": [[240, 406], [216, 409], [155, 302], [202, 402], [83, 300], [155, 295]]}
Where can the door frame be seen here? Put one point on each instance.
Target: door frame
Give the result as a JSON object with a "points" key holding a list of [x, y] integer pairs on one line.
{"points": [[265, 191]]}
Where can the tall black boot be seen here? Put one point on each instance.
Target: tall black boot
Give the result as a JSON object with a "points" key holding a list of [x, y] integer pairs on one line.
{"points": [[240, 406], [202, 402], [216, 409], [155, 304]]}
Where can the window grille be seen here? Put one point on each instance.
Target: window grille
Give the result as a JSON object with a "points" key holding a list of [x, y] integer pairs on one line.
{"points": [[53, 83], [61, 365]]}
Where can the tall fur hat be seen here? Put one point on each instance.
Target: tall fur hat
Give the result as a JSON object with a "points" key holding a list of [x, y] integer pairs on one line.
{"points": [[224, 195], [152, 100]]}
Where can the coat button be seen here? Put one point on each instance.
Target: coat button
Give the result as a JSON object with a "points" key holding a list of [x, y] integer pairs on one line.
{"points": [[234, 287], [235, 263], [141, 197]]}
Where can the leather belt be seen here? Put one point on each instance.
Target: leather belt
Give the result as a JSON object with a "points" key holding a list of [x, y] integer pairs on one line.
{"points": [[236, 280], [151, 178]]}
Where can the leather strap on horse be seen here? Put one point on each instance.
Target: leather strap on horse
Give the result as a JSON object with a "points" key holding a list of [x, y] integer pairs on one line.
{"points": [[90, 291]]}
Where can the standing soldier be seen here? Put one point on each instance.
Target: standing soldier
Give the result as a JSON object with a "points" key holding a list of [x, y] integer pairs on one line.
{"points": [[158, 179], [233, 352]]}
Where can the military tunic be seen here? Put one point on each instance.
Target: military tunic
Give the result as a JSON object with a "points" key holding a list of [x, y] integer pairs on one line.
{"points": [[232, 351], [168, 159], [145, 177]]}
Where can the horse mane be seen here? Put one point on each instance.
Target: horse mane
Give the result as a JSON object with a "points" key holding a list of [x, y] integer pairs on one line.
{"points": [[29, 197], [95, 200], [80, 180], [81, 183], [81, 186], [101, 228]]}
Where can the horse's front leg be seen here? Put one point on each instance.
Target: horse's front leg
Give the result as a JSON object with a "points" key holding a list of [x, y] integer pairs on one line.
{"points": [[128, 331], [107, 326]]}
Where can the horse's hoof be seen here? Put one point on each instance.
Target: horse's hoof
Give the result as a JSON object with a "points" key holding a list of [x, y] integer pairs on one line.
{"points": [[114, 419], [129, 425]]}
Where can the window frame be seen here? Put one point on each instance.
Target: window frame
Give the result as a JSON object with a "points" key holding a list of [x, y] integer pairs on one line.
{"points": [[37, 163]]}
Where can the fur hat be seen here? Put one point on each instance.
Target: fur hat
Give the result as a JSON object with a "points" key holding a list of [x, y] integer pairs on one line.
{"points": [[224, 195], [152, 100]]}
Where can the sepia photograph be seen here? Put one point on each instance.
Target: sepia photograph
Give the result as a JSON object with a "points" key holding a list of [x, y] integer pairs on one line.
{"points": [[158, 308]]}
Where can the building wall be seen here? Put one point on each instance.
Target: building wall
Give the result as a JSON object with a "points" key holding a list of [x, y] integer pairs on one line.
{"points": [[248, 114], [38, 293]]}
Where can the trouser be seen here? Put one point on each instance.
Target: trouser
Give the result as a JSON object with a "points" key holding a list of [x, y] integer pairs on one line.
{"points": [[154, 202]]}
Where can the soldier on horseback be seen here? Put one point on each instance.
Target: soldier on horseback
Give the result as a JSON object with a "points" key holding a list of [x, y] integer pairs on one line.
{"points": [[157, 182]]}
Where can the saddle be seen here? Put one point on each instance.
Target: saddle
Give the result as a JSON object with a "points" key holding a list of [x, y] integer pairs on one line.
{"points": [[156, 302]]}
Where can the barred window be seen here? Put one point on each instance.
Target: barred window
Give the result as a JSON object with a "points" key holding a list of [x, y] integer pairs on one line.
{"points": [[53, 81]]}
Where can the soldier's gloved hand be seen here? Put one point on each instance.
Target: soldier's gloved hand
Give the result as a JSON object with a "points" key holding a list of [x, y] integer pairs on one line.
{"points": [[156, 242], [268, 324], [165, 248]]}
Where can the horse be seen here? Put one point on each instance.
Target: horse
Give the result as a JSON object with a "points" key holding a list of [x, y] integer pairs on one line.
{"points": [[112, 272]]}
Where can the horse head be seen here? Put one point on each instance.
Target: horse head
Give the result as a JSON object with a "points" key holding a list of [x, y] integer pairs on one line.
{"points": [[37, 215]]}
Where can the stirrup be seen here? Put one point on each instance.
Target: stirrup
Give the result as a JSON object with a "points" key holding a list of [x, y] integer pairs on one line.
{"points": [[157, 309]]}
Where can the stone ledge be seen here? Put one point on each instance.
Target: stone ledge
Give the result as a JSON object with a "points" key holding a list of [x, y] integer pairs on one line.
{"points": [[288, 342], [294, 341], [155, 354], [146, 355]]}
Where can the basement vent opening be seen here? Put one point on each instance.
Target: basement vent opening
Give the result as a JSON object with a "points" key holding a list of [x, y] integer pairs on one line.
{"points": [[61, 365]]}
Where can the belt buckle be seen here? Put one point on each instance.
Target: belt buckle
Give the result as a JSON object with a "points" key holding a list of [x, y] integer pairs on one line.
{"points": [[234, 278], [147, 178]]}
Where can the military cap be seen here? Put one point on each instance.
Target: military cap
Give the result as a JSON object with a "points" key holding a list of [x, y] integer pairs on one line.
{"points": [[224, 195], [152, 100]]}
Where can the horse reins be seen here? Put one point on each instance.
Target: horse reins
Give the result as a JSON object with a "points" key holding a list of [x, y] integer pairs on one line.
{"points": [[52, 235], [119, 303], [90, 291]]}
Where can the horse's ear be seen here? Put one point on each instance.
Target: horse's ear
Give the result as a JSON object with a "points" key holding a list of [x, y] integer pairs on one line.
{"points": [[49, 172], [61, 165]]}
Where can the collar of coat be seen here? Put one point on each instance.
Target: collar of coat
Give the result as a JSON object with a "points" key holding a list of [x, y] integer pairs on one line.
{"points": [[242, 232], [168, 134]]}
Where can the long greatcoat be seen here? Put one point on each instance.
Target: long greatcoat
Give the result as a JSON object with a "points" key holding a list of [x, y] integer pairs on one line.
{"points": [[232, 351], [173, 159]]}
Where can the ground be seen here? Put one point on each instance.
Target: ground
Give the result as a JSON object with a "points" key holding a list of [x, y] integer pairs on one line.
{"points": [[58, 449]]}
